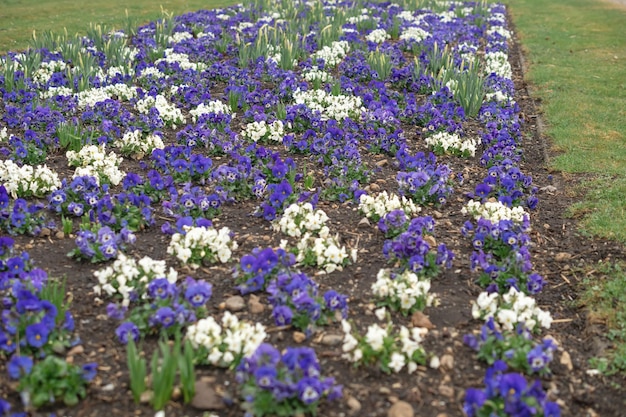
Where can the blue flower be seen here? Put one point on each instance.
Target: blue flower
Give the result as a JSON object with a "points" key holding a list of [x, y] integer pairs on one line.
{"points": [[265, 376], [37, 334], [19, 366], [198, 294], [165, 316], [282, 315], [126, 330], [309, 390], [89, 371]]}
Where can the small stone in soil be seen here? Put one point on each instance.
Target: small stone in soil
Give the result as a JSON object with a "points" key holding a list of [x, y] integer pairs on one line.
{"points": [[299, 337], [332, 339], [206, 398], [447, 362], [353, 404], [401, 409], [235, 303]]}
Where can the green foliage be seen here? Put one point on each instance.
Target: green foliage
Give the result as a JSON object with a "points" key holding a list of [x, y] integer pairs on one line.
{"points": [[54, 380], [54, 291], [73, 137], [163, 375], [137, 370], [167, 361], [381, 63]]}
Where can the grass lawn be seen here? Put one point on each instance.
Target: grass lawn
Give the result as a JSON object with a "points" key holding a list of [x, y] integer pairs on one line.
{"points": [[19, 18]]}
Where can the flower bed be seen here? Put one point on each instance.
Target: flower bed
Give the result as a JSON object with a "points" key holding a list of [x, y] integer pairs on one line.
{"points": [[324, 175]]}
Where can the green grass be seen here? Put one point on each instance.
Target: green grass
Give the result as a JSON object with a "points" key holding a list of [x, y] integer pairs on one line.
{"points": [[576, 52], [605, 294], [19, 18]]}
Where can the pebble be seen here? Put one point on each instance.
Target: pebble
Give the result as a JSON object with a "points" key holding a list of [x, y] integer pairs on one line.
{"points": [[566, 360], [76, 350], [206, 398], [299, 337], [364, 222], [446, 391], [419, 319], [146, 397], [562, 256], [108, 387], [235, 303], [447, 362], [401, 409], [332, 340], [59, 235], [255, 306], [353, 404]]}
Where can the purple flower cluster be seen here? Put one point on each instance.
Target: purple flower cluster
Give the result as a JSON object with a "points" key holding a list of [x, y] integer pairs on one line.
{"points": [[101, 243], [183, 165], [164, 308], [293, 295], [284, 384], [84, 197], [506, 183], [412, 249], [516, 348], [257, 269], [508, 394], [296, 301], [422, 179], [20, 217], [501, 254]]}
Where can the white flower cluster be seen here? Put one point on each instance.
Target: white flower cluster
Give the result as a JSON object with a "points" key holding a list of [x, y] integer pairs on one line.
{"points": [[300, 218], [3, 134], [324, 251], [212, 107], [333, 54], [414, 34], [92, 160], [55, 91], [231, 341], [133, 143], [406, 15], [452, 142], [377, 206], [169, 113], [330, 106], [94, 96], [405, 344], [26, 180], [500, 97], [317, 75], [378, 36], [404, 290], [497, 62], [46, 69], [500, 31], [127, 275], [256, 131], [182, 60], [494, 211], [179, 37], [152, 72], [200, 243], [510, 309]]}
